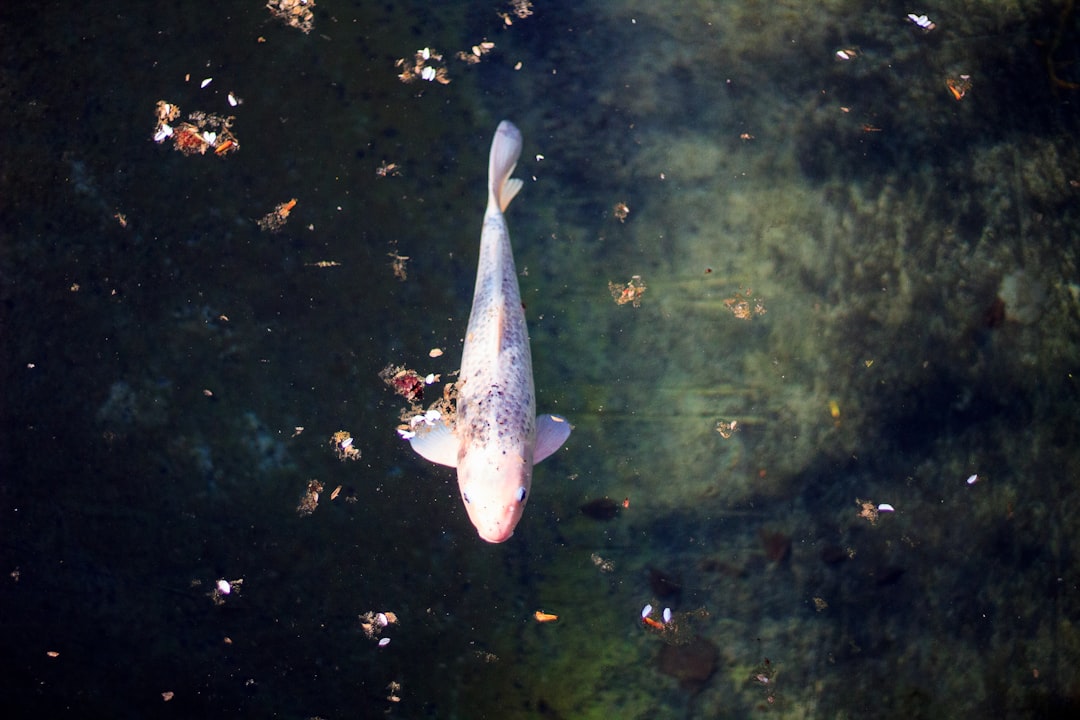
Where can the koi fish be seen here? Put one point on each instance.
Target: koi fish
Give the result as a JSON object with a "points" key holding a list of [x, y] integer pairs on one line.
{"points": [[496, 437]]}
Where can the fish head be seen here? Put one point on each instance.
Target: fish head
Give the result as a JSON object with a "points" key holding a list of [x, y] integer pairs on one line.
{"points": [[495, 488]]}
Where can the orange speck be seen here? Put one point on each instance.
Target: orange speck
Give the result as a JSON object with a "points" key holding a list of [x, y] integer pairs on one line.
{"points": [[286, 208], [544, 617], [655, 624], [626, 502], [959, 87], [223, 147]]}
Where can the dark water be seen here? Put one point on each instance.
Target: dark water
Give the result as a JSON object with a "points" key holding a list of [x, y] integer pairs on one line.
{"points": [[914, 256]]}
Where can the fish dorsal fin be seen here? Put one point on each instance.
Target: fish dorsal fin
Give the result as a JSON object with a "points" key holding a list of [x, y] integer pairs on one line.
{"points": [[500, 328], [437, 444], [551, 433]]}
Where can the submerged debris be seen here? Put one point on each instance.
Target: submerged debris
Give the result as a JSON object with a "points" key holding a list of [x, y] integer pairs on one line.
{"points": [[921, 21], [727, 429], [342, 442], [199, 133], [310, 499], [764, 676], [867, 510], [294, 13], [406, 383], [415, 419], [518, 8], [958, 86], [776, 544], [691, 664], [425, 65], [276, 218], [1023, 296], [629, 293], [674, 628], [374, 622], [387, 169], [224, 588], [744, 305], [166, 112], [478, 51], [397, 262]]}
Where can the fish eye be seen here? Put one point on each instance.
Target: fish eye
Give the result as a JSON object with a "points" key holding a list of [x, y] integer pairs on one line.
{"points": [[521, 494]]}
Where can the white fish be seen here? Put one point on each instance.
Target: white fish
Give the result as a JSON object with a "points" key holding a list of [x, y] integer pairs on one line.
{"points": [[496, 437]]}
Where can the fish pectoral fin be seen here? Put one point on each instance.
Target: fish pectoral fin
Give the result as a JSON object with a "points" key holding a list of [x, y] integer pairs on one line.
{"points": [[493, 337], [551, 433], [438, 444]]}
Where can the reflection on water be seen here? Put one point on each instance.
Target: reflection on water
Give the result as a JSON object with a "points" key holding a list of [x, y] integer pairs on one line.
{"points": [[900, 201]]}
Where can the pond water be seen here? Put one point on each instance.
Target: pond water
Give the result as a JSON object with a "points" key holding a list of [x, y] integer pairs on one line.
{"points": [[803, 279]]}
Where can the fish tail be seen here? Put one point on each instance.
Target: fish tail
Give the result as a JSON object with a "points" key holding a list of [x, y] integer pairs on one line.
{"points": [[505, 151]]}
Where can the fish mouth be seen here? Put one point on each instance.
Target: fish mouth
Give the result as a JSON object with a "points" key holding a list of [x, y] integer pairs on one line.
{"points": [[496, 537]]}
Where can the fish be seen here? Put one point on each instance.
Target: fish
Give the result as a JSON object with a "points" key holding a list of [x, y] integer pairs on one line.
{"points": [[495, 436]]}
